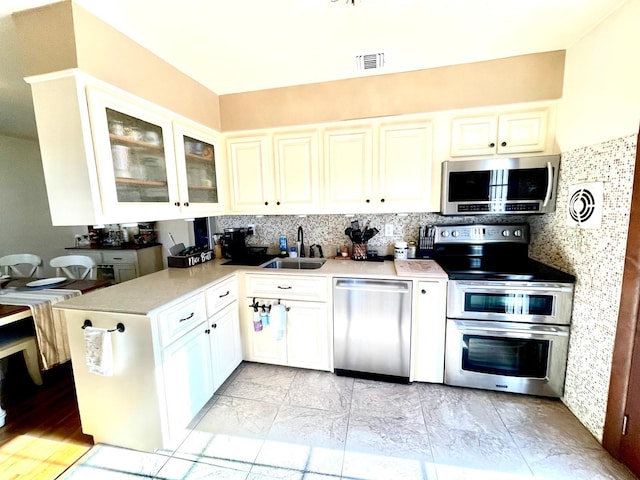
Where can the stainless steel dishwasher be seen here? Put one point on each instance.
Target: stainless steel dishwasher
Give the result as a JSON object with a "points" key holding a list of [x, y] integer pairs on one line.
{"points": [[372, 328]]}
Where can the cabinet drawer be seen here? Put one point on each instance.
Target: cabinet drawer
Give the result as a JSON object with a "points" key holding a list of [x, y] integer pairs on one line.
{"points": [[221, 295], [119, 257], [177, 320], [97, 256], [288, 287]]}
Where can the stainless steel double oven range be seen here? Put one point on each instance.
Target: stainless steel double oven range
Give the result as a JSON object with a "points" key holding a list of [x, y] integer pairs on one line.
{"points": [[508, 316]]}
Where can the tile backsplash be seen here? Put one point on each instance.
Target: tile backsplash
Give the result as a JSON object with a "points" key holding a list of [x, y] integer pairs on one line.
{"points": [[328, 230]]}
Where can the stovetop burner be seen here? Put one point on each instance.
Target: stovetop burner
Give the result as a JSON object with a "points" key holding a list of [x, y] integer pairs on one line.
{"points": [[517, 270], [491, 252]]}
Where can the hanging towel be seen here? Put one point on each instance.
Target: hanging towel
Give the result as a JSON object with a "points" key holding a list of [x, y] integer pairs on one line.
{"points": [[278, 321], [99, 355]]}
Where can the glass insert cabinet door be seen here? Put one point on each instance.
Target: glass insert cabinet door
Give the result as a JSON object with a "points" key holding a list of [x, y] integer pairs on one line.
{"points": [[134, 155], [139, 162], [197, 162], [201, 170]]}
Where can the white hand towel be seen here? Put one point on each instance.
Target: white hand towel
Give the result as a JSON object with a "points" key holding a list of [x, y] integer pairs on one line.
{"points": [[278, 321], [99, 355]]}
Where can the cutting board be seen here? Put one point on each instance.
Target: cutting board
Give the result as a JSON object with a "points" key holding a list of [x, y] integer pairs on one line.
{"points": [[418, 268]]}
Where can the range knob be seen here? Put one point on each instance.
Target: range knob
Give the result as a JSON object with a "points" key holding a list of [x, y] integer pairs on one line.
{"points": [[445, 233], [505, 233], [517, 233], [455, 233]]}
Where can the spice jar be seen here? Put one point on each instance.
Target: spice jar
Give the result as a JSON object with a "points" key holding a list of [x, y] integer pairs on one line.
{"points": [[411, 251]]}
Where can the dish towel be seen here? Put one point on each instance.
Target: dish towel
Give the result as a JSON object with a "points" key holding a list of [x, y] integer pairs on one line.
{"points": [[99, 355], [51, 329], [278, 321]]}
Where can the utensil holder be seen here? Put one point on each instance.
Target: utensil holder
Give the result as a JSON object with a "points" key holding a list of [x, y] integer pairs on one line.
{"points": [[359, 251]]}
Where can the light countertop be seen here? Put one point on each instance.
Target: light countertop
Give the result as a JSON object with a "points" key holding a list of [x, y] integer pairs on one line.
{"points": [[145, 294]]}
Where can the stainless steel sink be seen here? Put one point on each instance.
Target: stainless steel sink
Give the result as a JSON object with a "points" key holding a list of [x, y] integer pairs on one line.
{"points": [[295, 263]]}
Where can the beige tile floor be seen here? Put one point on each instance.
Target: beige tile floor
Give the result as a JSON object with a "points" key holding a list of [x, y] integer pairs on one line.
{"points": [[270, 422]]}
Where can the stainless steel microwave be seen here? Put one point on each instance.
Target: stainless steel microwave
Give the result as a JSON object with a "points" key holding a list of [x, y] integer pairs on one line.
{"points": [[513, 186]]}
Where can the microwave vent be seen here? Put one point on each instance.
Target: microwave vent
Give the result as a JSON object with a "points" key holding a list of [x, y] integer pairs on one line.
{"points": [[370, 61], [584, 207]]}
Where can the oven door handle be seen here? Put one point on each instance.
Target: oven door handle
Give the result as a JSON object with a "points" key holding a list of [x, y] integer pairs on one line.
{"points": [[547, 195], [498, 327], [489, 287]]}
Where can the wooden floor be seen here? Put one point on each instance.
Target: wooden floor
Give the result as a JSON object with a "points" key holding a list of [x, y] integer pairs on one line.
{"points": [[42, 435]]}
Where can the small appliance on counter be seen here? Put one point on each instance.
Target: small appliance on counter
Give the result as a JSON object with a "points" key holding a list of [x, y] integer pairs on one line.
{"points": [[235, 248]]}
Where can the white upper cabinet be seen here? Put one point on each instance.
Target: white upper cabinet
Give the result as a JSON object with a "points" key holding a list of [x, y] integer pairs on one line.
{"points": [[404, 174], [249, 164], [274, 173], [384, 167], [297, 171], [198, 168], [135, 158], [514, 132], [111, 157], [348, 162]]}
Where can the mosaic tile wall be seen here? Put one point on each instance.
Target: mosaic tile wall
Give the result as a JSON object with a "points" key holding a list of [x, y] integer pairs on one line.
{"points": [[328, 230], [596, 258]]}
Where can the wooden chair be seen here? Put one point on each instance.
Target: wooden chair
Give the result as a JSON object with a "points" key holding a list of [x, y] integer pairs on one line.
{"points": [[14, 343], [20, 264], [78, 267]]}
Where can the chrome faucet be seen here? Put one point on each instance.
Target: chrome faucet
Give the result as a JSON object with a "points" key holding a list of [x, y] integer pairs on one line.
{"points": [[301, 240]]}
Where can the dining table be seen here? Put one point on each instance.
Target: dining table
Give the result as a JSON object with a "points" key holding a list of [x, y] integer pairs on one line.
{"points": [[10, 312]]}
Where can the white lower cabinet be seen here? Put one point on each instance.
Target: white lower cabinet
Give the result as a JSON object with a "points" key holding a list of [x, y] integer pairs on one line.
{"points": [[307, 338], [428, 331], [225, 343], [188, 380], [166, 366], [308, 341]]}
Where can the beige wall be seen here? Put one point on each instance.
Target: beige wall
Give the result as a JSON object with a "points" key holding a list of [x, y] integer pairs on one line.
{"points": [[602, 83], [525, 78], [64, 35], [25, 226]]}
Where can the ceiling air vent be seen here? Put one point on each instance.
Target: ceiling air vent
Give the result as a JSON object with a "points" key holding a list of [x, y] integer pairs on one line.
{"points": [[369, 61]]}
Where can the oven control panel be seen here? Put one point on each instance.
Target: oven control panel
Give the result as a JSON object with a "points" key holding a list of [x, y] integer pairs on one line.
{"points": [[482, 233]]}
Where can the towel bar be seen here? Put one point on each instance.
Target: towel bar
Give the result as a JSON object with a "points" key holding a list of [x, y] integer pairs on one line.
{"points": [[119, 326]]}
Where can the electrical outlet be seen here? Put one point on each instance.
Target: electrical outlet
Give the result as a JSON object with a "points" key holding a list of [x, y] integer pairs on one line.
{"points": [[252, 229], [388, 230]]}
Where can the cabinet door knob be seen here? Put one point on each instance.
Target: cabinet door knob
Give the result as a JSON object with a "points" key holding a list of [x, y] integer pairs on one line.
{"points": [[177, 204], [266, 203], [215, 325], [423, 291], [207, 331], [382, 200], [277, 203], [186, 204], [368, 200], [492, 144], [503, 144]]}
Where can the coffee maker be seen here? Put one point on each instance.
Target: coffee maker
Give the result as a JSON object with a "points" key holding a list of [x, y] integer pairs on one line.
{"points": [[234, 247], [234, 243]]}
